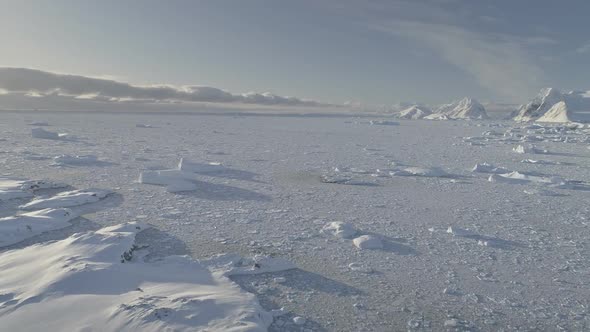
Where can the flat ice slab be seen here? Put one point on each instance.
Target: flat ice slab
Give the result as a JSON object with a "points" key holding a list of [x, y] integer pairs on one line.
{"points": [[85, 160]]}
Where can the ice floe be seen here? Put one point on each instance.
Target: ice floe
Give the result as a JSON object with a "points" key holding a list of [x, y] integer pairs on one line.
{"points": [[488, 168], [39, 123], [383, 123], [175, 180], [233, 264], [420, 171], [194, 167], [184, 176], [538, 162], [83, 160], [541, 192], [517, 177]]}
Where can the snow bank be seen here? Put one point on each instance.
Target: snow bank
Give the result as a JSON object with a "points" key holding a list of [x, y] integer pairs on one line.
{"points": [[68, 199], [15, 229], [6, 195], [234, 264], [383, 123], [11, 188], [193, 167], [95, 281]]}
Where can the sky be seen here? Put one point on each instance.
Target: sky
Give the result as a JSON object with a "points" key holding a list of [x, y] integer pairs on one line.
{"points": [[333, 51]]}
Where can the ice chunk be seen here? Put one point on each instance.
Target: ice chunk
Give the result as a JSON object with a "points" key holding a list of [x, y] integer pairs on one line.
{"points": [[456, 231], [487, 168], [42, 133], [340, 229], [368, 242]]}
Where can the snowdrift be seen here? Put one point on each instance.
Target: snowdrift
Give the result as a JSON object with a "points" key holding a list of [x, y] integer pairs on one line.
{"points": [[15, 229], [13, 188], [96, 281], [67, 199]]}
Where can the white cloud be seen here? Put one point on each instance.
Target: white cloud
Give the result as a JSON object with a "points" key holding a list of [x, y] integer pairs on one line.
{"points": [[37, 83], [584, 49], [540, 40], [501, 65]]}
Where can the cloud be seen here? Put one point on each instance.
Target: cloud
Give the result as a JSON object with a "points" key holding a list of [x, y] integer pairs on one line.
{"points": [[540, 40], [498, 63], [455, 31], [584, 49], [37, 83]]}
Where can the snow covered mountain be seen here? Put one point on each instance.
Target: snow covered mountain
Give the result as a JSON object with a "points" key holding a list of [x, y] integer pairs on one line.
{"points": [[557, 113], [539, 105], [415, 112], [466, 108], [550, 105]]}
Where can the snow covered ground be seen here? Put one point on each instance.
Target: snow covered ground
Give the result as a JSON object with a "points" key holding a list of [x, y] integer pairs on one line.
{"points": [[424, 242]]}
